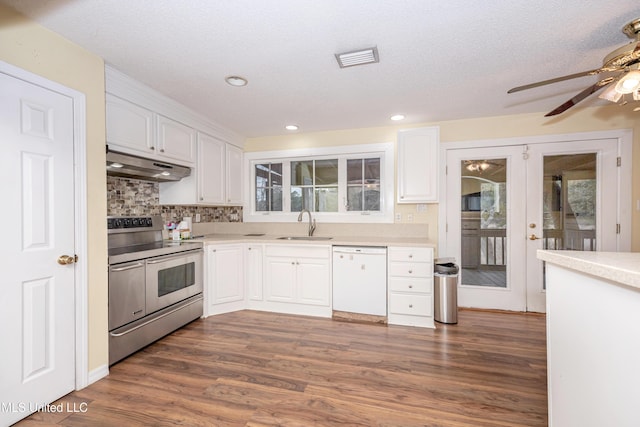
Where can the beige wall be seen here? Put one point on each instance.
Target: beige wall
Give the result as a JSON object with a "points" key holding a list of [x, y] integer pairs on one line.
{"points": [[38, 50], [578, 120]]}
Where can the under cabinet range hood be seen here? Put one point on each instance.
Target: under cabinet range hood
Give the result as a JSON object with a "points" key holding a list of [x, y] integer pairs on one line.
{"points": [[128, 166]]}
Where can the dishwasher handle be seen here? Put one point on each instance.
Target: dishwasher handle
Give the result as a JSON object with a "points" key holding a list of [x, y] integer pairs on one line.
{"points": [[365, 250]]}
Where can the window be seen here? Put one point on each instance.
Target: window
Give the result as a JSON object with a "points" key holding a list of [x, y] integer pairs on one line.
{"points": [[268, 194], [363, 184], [337, 184], [314, 185]]}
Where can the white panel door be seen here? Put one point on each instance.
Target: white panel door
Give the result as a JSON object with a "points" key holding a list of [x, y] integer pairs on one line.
{"points": [[37, 294]]}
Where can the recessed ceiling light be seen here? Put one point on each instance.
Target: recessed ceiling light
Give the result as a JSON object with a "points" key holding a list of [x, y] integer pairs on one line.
{"points": [[397, 117], [236, 81], [165, 173], [291, 127], [116, 165]]}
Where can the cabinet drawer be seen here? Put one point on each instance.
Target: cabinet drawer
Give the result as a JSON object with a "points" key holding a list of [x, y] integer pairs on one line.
{"points": [[410, 254], [416, 305], [400, 284], [411, 269], [295, 251]]}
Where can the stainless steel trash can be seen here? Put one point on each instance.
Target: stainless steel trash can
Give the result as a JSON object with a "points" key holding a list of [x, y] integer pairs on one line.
{"points": [[445, 292]]}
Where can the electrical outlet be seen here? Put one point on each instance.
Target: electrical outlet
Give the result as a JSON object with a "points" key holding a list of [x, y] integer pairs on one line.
{"points": [[409, 217], [197, 217], [421, 207], [398, 217]]}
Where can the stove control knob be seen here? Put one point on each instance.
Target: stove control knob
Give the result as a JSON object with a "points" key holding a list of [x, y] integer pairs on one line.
{"points": [[149, 222]]}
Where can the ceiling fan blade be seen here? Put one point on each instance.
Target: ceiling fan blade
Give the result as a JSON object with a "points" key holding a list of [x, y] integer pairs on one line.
{"points": [[579, 97], [557, 79]]}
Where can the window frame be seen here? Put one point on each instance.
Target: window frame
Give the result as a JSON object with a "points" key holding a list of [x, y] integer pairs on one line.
{"points": [[385, 151]]}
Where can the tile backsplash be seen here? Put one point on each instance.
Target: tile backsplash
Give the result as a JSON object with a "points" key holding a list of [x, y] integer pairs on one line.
{"points": [[133, 197]]}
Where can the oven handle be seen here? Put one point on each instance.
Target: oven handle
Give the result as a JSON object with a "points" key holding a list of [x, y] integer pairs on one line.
{"points": [[154, 319], [128, 267], [170, 257]]}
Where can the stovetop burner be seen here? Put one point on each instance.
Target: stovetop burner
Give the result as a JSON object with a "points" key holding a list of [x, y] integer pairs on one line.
{"points": [[136, 238]]}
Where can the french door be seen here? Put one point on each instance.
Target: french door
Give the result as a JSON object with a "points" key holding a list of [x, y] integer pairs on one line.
{"points": [[504, 203]]}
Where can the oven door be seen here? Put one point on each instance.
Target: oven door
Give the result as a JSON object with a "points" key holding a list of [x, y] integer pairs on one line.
{"points": [[173, 278]]}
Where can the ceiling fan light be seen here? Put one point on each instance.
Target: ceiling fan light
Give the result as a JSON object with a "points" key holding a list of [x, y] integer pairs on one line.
{"points": [[629, 83], [611, 94]]}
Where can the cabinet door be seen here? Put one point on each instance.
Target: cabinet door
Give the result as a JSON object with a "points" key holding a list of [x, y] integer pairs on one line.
{"points": [[280, 279], [176, 141], [234, 175], [418, 159], [226, 274], [313, 281], [253, 263], [129, 127], [210, 169]]}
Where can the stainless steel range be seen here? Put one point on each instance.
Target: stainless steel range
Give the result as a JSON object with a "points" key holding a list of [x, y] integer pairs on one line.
{"points": [[155, 286]]}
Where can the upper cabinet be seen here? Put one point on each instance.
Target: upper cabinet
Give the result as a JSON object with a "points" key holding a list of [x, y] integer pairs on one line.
{"points": [[129, 126], [136, 130], [233, 175], [418, 159], [175, 140]]}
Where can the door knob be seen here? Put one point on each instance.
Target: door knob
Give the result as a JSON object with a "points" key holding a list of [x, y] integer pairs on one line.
{"points": [[534, 237], [67, 259]]}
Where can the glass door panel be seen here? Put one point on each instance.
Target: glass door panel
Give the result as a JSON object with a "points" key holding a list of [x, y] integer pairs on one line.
{"points": [[483, 216]]}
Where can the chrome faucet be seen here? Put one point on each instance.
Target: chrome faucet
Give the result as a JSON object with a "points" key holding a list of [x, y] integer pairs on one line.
{"points": [[312, 225]]}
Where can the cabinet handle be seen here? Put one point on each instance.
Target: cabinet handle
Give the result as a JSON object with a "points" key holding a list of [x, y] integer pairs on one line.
{"points": [[162, 150], [153, 148], [410, 256], [293, 263], [410, 305], [410, 271], [402, 197], [201, 198], [249, 248], [410, 286]]}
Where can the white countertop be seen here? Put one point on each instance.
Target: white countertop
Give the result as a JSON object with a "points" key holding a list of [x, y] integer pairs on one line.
{"points": [[621, 267], [338, 240]]}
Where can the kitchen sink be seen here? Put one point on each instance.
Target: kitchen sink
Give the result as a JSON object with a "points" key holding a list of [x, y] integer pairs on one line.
{"points": [[304, 238]]}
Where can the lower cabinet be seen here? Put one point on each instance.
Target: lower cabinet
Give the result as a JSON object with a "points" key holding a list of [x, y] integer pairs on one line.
{"points": [[254, 274], [225, 279], [297, 279], [410, 286]]}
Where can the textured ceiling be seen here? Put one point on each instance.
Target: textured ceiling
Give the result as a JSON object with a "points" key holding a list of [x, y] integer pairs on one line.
{"points": [[439, 60]]}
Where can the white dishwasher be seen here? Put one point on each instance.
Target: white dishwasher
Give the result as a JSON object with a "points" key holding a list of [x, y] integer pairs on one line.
{"points": [[360, 279]]}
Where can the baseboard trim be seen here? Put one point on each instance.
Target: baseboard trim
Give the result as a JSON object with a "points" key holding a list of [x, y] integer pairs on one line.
{"points": [[98, 373]]}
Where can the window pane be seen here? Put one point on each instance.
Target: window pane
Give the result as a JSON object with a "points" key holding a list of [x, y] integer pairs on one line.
{"points": [[302, 173], [262, 175], [327, 172], [261, 199], [354, 198], [276, 174], [276, 199], [301, 198], [327, 199], [372, 198], [354, 171], [372, 170]]}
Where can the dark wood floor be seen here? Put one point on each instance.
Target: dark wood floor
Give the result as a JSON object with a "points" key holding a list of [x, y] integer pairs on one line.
{"points": [[263, 369]]}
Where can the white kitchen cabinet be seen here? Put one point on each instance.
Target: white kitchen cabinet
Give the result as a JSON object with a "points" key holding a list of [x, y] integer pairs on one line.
{"points": [[215, 180], [225, 278], [175, 140], [298, 279], [254, 272], [130, 127], [233, 175], [131, 130], [418, 160], [410, 286]]}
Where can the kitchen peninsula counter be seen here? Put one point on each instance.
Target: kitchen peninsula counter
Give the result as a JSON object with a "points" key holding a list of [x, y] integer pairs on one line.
{"points": [[593, 338]]}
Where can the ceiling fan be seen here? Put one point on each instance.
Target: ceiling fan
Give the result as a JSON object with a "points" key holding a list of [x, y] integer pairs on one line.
{"points": [[624, 65]]}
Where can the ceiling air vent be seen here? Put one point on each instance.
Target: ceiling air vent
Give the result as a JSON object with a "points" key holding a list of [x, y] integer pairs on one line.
{"points": [[357, 57]]}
